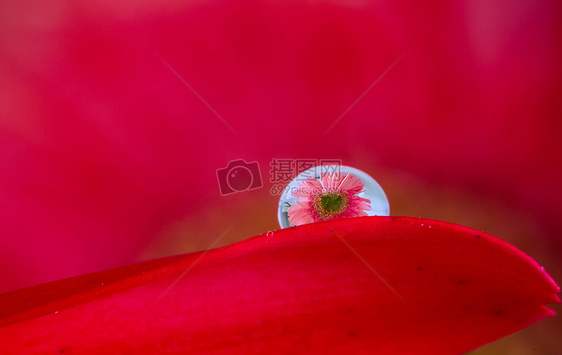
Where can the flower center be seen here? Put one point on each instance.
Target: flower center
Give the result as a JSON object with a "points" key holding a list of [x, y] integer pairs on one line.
{"points": [[330, 204]]}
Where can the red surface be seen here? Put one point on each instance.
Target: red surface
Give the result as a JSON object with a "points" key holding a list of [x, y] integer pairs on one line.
{"points": [[295, 290], [102, 146]]}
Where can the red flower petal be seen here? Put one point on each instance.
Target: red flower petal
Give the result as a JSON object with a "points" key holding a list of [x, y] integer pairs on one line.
{"points": [[296, 290]]}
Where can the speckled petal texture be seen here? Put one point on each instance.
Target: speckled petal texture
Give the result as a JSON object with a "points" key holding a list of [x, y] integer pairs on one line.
{"points": [[297, 290]]}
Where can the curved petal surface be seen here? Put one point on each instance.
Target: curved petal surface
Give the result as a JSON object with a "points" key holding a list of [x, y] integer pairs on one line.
{"points": [[367, 285]]}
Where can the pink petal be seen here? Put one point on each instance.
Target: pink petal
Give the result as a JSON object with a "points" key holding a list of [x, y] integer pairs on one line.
{"points": [[330, 181], [299, 213], [351, 184]]}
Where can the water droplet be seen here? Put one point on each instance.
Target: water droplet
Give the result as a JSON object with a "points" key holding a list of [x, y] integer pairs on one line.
{"points": [[373, 191]]}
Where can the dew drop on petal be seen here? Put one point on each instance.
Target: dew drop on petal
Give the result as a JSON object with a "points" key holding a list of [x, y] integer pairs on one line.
{"points": [[373, 191]]}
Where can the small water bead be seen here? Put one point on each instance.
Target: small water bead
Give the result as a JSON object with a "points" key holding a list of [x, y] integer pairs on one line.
{"points": [[327, 202]]}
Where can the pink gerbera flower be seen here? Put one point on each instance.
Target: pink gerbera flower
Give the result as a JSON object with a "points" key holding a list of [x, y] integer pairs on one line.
{"points": [[332, 197]]}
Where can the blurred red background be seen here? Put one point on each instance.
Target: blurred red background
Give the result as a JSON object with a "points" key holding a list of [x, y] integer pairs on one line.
{"points": [[108, 157]]}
